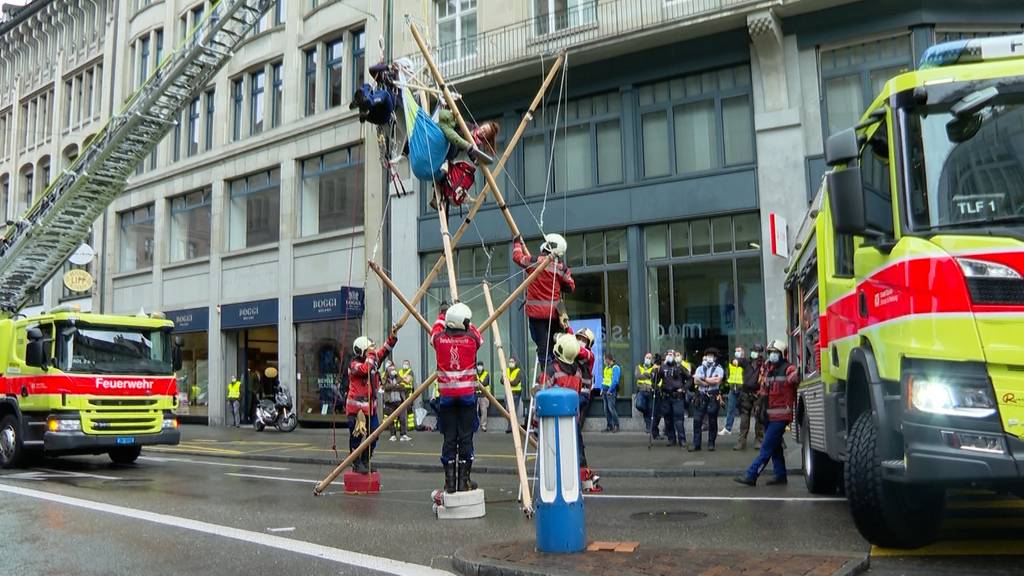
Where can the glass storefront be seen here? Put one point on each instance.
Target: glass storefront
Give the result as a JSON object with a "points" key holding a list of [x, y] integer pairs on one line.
{"points": [[195, 375]]}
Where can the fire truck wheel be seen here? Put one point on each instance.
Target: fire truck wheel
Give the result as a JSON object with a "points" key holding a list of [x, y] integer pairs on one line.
{"points": [[821, 474], [12, 453], [125, 455], [887, 513]]}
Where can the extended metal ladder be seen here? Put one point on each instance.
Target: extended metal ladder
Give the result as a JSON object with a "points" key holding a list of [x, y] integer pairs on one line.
{"points": [[529, 430], [35, 246]]}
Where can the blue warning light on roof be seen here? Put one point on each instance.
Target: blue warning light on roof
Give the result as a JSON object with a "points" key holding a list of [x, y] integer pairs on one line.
{"points": [[970, 51]]}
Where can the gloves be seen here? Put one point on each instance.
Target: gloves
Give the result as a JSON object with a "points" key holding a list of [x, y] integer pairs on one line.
{"points": [[393, 333]]}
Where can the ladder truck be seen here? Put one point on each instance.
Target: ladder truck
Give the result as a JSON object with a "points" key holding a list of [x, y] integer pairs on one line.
{"points": [[78, 383]]}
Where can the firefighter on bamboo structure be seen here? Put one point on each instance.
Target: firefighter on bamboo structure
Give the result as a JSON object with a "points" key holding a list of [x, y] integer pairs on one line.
{"points": [[544, 295], [363, 381], [456, 342]]}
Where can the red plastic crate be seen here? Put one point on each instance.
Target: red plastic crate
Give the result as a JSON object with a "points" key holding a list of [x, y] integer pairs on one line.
{"points": [[361, 483]]}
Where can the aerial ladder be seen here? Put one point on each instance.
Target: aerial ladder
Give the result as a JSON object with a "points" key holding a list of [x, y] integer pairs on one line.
{"points": [[36, 245]]}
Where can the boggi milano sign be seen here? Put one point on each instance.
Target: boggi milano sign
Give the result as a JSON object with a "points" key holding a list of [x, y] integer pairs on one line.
{"points": [[345, 303]]}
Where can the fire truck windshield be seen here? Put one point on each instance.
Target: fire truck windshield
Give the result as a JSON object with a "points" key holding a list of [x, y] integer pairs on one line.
{"points": [[966, 160], [109, 350]]}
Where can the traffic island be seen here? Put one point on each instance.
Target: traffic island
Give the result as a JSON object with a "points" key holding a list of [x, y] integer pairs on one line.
{"points": [[522, 559]]}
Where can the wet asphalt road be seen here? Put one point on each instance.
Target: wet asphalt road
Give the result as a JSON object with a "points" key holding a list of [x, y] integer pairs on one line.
{"points": [[252, 517]]}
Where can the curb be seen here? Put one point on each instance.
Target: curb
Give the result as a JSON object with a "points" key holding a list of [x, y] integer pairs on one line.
{"points": [[854, 567], [504, 470]]}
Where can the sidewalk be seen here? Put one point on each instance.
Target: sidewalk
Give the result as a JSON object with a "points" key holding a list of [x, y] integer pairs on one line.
{"points": [[522, 559], [624, 454]]}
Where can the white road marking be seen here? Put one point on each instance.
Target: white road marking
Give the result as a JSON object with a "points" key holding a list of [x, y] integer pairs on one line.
{"points": [[229, 464], [48, 474], [347, 557], [286, 529], [713, 498], [240, 475]]}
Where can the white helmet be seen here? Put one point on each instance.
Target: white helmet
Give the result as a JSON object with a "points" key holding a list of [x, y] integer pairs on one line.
{"points": [[361, 345], [778, 345], [554, 244], [458, 316], [586, 334], [567, 348]]}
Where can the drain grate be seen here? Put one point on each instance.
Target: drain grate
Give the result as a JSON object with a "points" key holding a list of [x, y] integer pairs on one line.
{"points": [[669, 516]]}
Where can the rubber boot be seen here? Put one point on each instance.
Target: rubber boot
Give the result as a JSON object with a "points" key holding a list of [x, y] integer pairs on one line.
{"points": [[359, 466], [465, 483], [449, 477]]}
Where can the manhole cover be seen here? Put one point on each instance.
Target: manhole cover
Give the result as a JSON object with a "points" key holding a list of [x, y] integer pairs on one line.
{"points": [[669, 516]]}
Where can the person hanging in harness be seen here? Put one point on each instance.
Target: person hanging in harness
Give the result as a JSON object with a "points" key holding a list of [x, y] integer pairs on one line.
{"points": [[671, 381], [708, 380], [456, 342], [458, 177], [565, 372], [515, 381], [363, 381], [780, 383], [644, 377], [748, 396], [545, 294]]}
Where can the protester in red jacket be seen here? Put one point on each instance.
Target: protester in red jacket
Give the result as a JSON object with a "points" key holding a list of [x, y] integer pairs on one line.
{"points": [[456, 342], [543, 296], [780, 382], [363, 381]]}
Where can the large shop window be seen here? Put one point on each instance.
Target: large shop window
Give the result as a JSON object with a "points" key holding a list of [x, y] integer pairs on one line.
{"points": [[194, 374], [190, 226], [697, 123], [320, 366], [705, 286], [136, 245], [852, 76], [254, 216], [332, 191], [586, 136]]}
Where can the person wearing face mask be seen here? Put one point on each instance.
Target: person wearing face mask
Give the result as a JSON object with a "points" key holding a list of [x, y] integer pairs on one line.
{"points": [[780, 383], [644, 376], [672, 380], [748, 397], [515, 381], [394, 395], [482, 401], [733, 382], [708, 380]]}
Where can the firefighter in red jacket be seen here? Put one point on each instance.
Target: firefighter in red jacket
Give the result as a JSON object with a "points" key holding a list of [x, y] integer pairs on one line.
{"points": [[544, 295], [566, 371], [586, 360], [456, 342], [780, 382], [363, 380]]}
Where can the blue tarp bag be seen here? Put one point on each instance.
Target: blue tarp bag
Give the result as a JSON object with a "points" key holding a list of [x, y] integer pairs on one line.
{"points": [[428, 148]]}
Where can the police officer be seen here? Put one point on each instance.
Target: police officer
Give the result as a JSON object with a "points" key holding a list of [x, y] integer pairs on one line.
{"points": [[672, 380], [483, 379], [708, 379], [733, 383], [515, 380], [408, 380], [234, 398], [644, 376]]}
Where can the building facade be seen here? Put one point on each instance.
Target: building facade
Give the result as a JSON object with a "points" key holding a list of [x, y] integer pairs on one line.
{"points": [[681, 130]]}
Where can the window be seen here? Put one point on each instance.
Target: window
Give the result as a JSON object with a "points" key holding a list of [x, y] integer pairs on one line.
{"points": [[5, 194], [262, 24], [456, 29], [210, 109], [277, 104], [87, 102], [334, 55], [176, 144], [136, 238], [844, 255], [358, 58], [254, 215], [143, 60], [257, 86], [159, 47], [874, 173], [28, 184], [311, 81], [587, 146], [280, 12], [236, 112], [697, 123], [193, 127], [332, 191], [555, 15], [190, 226], [803, 312], [69, 94], [851, 77]]}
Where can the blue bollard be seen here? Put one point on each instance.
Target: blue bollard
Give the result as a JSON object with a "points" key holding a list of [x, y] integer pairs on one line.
{"points": [[560, 524]]}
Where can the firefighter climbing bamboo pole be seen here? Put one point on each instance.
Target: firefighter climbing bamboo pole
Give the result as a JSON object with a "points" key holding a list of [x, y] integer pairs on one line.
{"points": [[401, 298], [479, 202], [466, 132], [365, 444], [446, 241], [510, 401]]}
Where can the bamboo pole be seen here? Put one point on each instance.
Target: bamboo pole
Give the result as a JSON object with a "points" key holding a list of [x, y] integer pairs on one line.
{"points": [[479, 202], [510, 401], [394, 289], [466, 132], [446, 241]]}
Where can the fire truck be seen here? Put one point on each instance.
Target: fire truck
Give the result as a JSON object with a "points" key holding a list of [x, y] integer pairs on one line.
{"points": [[76, 383], [906, 295]]}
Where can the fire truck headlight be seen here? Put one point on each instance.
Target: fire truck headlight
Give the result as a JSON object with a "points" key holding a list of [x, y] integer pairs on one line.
{"points": [[58, 425], [984, 269], [935, 396], [170, 423]]}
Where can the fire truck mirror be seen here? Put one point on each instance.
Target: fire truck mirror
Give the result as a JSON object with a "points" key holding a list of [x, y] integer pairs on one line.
{"points": [[36, 352], [842, 147], [846, 197]]}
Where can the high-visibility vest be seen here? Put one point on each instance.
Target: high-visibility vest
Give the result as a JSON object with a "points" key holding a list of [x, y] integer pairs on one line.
{"points": [[407, 383], [511, 374], [234, 390], [735, 375], [687, 366], [480, 378], [646, 373], [607, 381]]}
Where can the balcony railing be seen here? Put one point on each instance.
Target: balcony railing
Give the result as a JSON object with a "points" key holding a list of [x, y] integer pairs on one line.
{"points": [[585, 22]]}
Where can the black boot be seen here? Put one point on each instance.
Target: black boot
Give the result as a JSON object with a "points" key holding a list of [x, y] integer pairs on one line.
{"points": [[449, 477], [359, 466], [465, 482]]}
